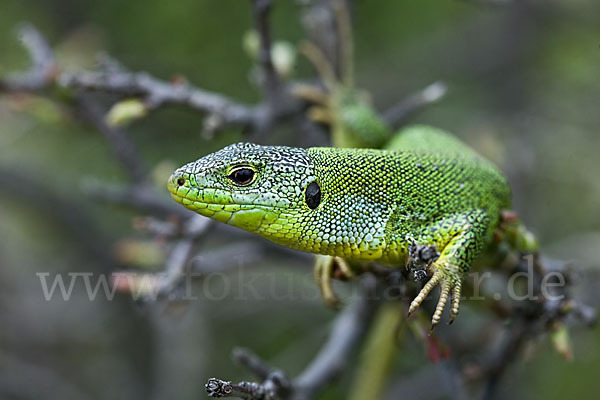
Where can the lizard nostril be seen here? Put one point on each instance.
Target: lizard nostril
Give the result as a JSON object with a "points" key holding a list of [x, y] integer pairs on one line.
{"points": [[180, 181]]}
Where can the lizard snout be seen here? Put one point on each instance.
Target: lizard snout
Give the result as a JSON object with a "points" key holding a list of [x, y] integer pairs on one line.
{"points": [[177, 180]]}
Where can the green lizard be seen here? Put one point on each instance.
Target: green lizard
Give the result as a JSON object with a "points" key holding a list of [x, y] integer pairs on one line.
{"points": [[362, 205]]}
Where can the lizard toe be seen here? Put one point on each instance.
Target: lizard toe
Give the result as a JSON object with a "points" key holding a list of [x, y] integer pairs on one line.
{"points": [[439, 308], [435, 280], [450, 293], [454, 308], [325, 269]]}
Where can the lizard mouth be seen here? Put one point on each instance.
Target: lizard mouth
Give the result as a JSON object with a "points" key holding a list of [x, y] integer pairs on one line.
{"points": [[209, 200], [196, 199], [242, 210]]}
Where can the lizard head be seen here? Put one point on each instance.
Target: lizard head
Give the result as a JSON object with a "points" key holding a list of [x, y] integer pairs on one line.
{"points": [[263, 189]]}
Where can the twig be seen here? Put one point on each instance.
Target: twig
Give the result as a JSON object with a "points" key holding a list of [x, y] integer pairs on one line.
{"points": [[275, 384], [349, 327], [504, 356], [346, 42], [44, 74], [158, 93], [261, 10], [587, 314], [243, 390], [123, 148], [398, 114], [166, 283], [141, 198], [177, 262], [319, 22], [347, 331], [156, 226], [530, 319], [251, 362], [42, 70], [319, 60], [115, 79]]}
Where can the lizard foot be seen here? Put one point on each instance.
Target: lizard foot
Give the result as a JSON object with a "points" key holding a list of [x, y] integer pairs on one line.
{"points": [[326, 268], [450, 287]]}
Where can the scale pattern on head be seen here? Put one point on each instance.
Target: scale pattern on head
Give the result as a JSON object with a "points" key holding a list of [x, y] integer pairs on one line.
{"points": [[257, 188]]}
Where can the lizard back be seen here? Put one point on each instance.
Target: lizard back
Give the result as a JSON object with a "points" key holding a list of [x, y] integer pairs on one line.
{"points": [[374, 197]]}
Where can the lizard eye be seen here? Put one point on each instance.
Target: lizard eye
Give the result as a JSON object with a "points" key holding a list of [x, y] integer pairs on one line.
{"points": [[242, 176]]}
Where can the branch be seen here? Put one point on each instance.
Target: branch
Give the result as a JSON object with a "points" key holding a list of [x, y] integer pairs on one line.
{"points": [[157, 93], [140, 198], [243, 390], [531, 319], [348, 329], [319, 22], [123, 148], [42, 71], [275, 383], [177, 262], [509, 350], [398, 114], [587, 314], [166, 282], [261, 10], [44, 74], [253, 363]]}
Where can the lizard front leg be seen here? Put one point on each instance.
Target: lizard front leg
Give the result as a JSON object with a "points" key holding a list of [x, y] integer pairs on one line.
{"points": [[326, 268], [460, 239]]}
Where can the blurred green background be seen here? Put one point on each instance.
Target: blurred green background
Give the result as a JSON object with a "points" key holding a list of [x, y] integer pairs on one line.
{"points": [[524, 89]]}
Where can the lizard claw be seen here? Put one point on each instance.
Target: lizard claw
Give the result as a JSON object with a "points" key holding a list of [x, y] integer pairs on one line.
{"points": [[454, 308], [449, 288], [326, 268]]}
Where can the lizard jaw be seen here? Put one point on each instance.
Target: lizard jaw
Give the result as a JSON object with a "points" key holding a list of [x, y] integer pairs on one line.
{"points": [[244, 211]]}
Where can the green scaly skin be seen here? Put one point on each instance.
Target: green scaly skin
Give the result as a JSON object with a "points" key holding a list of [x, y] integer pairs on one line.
{"points": [[374, 204]]}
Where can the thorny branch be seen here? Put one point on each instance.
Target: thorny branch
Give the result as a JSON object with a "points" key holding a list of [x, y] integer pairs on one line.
{"points": [[45, 74], [345, 336]]}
